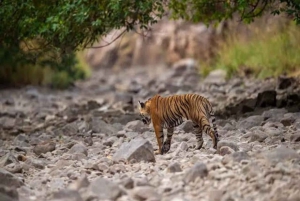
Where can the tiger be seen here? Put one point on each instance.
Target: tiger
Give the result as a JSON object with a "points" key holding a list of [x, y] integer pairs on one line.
{"points": [[171, 111]]}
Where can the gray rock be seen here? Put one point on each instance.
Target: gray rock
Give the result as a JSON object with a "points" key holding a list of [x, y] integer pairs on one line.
{"points": [[258, 136], [142, 193], [21, 141], [44, 147], [131, 135], [66, 195], [138, 150], [250, 122], [37, 163], [100, 126], [9, 179], [104, 189], [110, 141], [8, 193], [183, 147], [80, 183], [187, 126], [227, 143], [295, 138], [281, 154], [127, 182], [198, 170], [225, 150], [274, 114], [236, 157], [78, 149], [125, 118], [174, 167], [288, 119], [7, 122], [137, 126]]}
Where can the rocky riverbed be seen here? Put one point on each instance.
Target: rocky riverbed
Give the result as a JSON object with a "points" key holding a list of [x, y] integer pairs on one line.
{"points": [[88, 144]]}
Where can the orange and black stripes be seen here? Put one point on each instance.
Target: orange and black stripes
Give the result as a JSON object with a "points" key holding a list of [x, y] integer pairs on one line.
{"points": [[169, 112]]}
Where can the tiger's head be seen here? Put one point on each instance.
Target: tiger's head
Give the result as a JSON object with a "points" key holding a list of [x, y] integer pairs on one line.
{"points": [[144, 109]]}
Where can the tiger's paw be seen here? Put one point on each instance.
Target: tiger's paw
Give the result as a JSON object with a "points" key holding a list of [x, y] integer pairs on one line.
{"points": [[165, 148]]}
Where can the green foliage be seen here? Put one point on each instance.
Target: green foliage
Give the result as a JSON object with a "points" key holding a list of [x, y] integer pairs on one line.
{"points": [[265, 54], [216, 10], [69, 25]]}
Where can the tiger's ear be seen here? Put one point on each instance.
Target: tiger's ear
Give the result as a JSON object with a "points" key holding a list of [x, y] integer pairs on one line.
{"points": [[141, 104]]}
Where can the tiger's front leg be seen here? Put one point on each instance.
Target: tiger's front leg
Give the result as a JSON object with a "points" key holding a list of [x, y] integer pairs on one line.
{"points": [[167, 144], [159, 137]]}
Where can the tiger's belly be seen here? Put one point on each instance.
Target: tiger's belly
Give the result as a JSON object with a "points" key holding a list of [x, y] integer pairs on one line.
{"points": [[174, 123]]}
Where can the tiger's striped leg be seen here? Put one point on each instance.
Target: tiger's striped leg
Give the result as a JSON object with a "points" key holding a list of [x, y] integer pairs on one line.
{"points": [[167, 144], [159, 137], [209, 131], [198, 133]]}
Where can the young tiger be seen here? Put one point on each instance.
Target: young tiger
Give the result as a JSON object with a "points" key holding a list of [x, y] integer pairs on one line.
{"points": [[169, 112]]}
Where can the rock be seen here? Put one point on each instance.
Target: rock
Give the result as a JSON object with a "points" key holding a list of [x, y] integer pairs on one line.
{"points": [[92, 104], [8, 193], [137, 149], [7, 122], [174, 167], [104, 189], [227, 143], [100, 126], [274, 114], [81, 182], [125, 118], [216, 77], [142, 193], [21, 141], [236, 157], [281, 154], [66, 195], [225, 150], [78, 149], [37, 163], [44, 147], [198, 170], [216, 195], [266, 99], [127, 182], [137, 126], [131, 135], [295, 137], [187, 126], [258, 136], [284, 82], [183, 147], [9, 179], [288, 120], [125, 98], [250, 122], [110, 141]]}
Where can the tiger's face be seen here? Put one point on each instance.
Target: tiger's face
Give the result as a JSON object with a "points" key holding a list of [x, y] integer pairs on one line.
{"points": [[144, 109]]}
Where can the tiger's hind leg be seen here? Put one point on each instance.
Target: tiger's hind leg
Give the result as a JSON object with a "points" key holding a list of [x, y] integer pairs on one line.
{"points": [[205, 125], [198, 133], [167, 144]]}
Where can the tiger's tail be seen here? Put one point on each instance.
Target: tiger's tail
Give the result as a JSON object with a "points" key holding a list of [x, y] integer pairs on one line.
{"points": [[213, 120]]}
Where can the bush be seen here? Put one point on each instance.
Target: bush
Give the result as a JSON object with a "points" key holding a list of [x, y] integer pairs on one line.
{"points": [[47, 68], [265, 54]]}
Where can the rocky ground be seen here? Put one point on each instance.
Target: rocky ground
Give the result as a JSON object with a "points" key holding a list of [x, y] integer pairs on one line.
{"points": [[87, 143]]}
